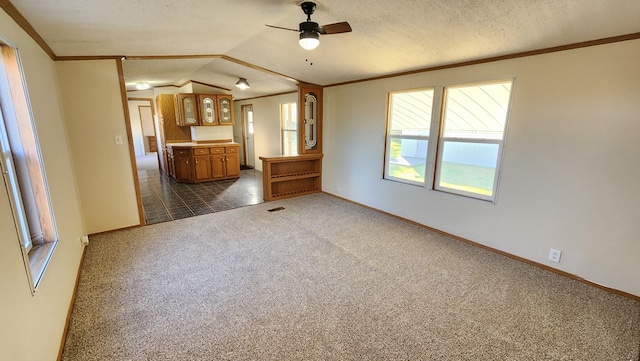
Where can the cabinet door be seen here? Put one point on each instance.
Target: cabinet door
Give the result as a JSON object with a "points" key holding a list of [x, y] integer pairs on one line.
{"points": [[217, 166], [225, 106], [232, 162], [182, 168], [207, 109], [201, 168], [186, 111], [309, 119]]}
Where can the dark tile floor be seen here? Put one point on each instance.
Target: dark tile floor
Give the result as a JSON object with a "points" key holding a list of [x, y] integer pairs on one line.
{"points": [[164, 199]]}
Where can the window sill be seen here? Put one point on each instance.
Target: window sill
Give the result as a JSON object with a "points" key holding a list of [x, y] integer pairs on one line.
{"points": [[39, 257]]}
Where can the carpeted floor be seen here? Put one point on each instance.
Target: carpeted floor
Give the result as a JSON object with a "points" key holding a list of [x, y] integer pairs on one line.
{"points": [[324, 279], [148, 161]]}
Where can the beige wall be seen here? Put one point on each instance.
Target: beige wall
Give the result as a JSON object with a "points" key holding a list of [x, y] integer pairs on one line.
{"points": [[266, 119], [570, 169], [31, 327], [94, 113]]}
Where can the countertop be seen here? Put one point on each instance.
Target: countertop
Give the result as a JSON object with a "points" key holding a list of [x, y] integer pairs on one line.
{"points": [[200, 145]]}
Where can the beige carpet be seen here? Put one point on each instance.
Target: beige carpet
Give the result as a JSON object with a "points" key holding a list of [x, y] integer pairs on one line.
{"points": [[324, 279]]}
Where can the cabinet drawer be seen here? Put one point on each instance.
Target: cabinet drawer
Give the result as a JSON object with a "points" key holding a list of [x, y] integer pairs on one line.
{"points": [[200, 151], [217, 150], [231, 149], [179, 152]]}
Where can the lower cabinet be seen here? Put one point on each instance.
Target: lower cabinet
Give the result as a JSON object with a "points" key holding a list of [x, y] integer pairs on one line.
{"points": [[233, 164], [225, 162], [201, 168], [217, 166], [182, 165], [203, 163]]}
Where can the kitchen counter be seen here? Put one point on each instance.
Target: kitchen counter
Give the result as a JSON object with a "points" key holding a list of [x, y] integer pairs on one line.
{"points": [[202, 162]]}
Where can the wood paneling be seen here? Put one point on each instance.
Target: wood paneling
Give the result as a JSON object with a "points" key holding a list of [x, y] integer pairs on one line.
{"points": [[167, 119]]}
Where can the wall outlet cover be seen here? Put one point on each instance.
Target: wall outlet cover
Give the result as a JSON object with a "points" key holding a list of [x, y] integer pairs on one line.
{"points": [[554, 255]]}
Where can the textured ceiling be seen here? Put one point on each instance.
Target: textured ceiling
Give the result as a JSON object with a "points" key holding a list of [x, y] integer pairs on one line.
{"points": [[388, 36]]}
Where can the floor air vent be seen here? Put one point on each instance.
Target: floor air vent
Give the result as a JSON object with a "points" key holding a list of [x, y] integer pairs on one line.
{"points": [[276, 209]]}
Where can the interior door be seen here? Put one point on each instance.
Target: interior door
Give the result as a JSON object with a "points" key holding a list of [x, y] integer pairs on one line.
{"points": [[248, 132]]}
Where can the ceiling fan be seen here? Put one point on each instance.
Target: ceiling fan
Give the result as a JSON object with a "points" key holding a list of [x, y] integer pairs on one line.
{"points": [[310, 31]]}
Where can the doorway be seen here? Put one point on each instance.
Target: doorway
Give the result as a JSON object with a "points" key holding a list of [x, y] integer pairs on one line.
{"points": [[247, 135]]}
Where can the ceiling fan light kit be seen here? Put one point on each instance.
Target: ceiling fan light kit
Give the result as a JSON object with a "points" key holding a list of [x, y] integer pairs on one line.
{"points": [[309, 40], [310, 31]]}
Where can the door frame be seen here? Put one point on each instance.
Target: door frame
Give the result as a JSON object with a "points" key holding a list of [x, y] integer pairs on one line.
{"points": [[244, 133]]}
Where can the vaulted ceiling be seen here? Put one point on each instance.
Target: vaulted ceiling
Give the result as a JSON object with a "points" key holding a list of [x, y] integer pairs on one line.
{"points": [[388, 36]]}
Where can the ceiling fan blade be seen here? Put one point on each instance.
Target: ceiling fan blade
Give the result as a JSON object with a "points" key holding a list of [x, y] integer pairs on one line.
{"points": [[336, 28], [278, 27]]}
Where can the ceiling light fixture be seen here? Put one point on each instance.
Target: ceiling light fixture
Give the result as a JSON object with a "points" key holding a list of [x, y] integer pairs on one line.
{"points": [[142, 86], [243, 84]]}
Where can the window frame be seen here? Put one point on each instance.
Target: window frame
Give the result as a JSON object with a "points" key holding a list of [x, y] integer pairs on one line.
{"points": [[291, 109], [500, 142], [18, 125], [436, 140], [389, 137]]}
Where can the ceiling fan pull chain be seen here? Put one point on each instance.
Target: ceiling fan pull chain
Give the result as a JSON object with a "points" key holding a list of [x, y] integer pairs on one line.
{"points": [[307, 58]]}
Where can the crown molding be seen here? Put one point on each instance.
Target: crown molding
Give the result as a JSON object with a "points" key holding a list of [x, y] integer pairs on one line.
{"points": [[11, 10]]}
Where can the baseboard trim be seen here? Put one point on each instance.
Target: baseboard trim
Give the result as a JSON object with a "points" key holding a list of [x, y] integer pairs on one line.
{"points": [[117, 230], [506, 254], [71, 304]]}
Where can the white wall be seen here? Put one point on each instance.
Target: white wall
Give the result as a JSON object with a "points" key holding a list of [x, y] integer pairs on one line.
{"points": [[90, 92], [266, 120], [570, 173], [31, 327]]}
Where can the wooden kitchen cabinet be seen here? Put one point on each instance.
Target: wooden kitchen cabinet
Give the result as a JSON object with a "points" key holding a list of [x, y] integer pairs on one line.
{"points": [[201, 163], [225, 162], [207, 109], [309, 119], [204, 109], [168, 130], [233, 164], [182, 161], [186, 110], [225, 109]]}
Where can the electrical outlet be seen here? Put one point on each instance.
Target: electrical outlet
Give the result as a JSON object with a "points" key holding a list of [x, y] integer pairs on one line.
{"points": [[554, 255], [84, 240]]}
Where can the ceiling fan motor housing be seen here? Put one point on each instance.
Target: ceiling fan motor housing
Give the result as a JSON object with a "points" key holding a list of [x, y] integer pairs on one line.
{"points": [[308, 26]]}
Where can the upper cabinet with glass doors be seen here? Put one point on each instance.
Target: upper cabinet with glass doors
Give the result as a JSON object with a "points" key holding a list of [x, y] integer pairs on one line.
{"points": [[225, 107], [204, 109], [310, 119], [207, 106], [186, 111]]}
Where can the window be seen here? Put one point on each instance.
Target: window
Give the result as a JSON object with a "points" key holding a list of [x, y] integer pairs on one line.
{"points": [[289, 128], [409, 122], [22, 170], [465, 157], [473, 125]]}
